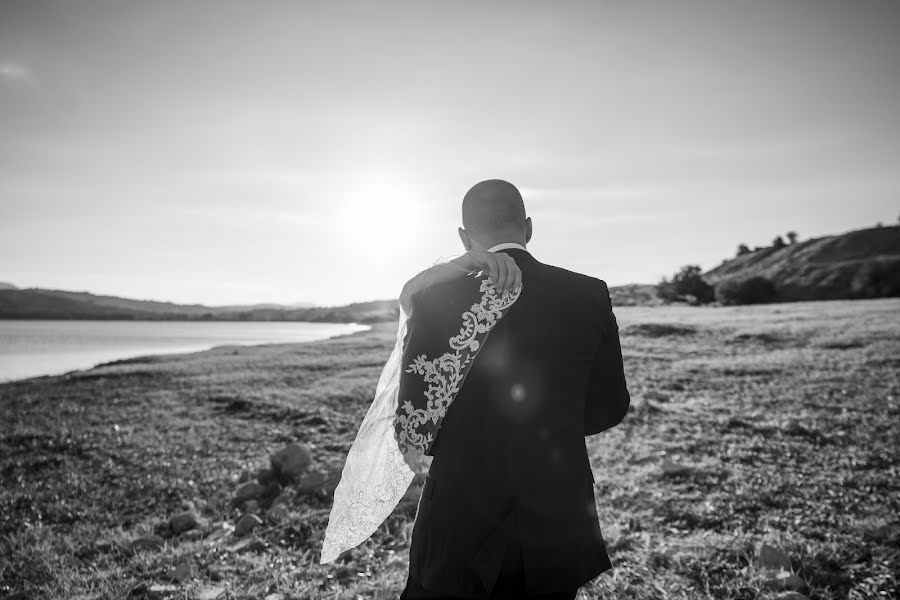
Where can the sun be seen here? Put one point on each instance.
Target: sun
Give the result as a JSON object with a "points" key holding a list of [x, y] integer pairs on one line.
{"points": [[380, 211]]}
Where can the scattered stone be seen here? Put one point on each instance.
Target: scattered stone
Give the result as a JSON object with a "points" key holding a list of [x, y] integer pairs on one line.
{"points": [[670, 467], [246, 525], [213, 593], [251, 506], [790, 596], [615, 538], [215, 503], [183, 522], [657, 396], [215, 573], [275, 596], [192, 536], [151, 543], [782, 580], [248, 491], [320, 482], [182, 572], [265, 476], [772, 558], [220, 531], [160, 591], [284, 499], [277, 513], [240, 545], [290, 462]]}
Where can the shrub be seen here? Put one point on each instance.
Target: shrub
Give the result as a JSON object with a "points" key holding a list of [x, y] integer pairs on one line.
{"points": [[754, 290], [778, 242], [743, 249]]}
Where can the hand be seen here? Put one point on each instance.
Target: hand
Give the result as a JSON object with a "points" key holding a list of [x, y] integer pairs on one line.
{"points": [[504, 271]]}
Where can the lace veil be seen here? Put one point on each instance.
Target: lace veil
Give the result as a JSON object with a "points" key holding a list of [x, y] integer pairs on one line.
{"points": [[395, 434]]}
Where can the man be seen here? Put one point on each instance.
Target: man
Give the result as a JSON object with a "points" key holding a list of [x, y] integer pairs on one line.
{"points": [[508, 508]]}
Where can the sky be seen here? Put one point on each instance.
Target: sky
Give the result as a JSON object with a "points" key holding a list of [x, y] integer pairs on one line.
{"points": [[239, 152]]}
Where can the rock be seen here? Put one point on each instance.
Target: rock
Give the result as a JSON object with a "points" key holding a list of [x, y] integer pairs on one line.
{"points": [[247, 544], [151, 543], [615, 538], [182, 572], [216, 502], [248, 491], [789, 596], [183, 522], [215, 573], [772, 558], [284, 499], [670, 467], [220, 531], [275, 596], [212, 593], [320, 482], [264, 476], [192, 536], [246, 525], [251, 506], [782, 580], [159, 591], [291, 462], [277, 513]]}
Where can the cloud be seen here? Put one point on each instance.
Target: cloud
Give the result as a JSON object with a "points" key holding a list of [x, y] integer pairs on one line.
{"points": [[14, 72]]}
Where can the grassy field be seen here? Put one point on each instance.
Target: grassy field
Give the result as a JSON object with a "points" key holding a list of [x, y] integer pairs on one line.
{"points": [[774, 423]]}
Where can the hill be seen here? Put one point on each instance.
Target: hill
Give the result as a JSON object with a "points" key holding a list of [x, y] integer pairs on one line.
{"points": [[864, 263], [37, 303]]}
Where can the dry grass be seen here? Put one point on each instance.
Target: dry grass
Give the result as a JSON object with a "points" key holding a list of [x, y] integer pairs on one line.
{"points": [[788, 414]]}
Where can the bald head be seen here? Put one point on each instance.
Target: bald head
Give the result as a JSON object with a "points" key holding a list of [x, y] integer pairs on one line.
{"points": [[493, 212]]}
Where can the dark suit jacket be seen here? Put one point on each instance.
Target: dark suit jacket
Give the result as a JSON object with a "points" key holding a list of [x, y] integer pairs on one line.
{"points": [[510, 458]]}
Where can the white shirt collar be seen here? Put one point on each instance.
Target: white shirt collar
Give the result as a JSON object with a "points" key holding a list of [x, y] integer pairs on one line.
{"points": [[506, 245]]}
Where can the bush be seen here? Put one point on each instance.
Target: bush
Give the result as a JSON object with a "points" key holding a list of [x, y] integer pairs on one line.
{"points": [[743, 249], [754, 290], [686, 285]]}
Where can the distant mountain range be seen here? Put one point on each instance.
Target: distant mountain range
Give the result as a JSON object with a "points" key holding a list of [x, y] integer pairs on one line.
{"points": [[858, 264], [864, 263], [38, 303]]}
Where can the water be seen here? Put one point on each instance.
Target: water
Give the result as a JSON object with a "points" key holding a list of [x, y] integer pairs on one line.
{"points": [[33, 348]]}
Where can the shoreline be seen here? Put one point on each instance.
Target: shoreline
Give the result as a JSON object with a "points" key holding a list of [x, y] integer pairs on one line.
{"points": [[113, 356]]}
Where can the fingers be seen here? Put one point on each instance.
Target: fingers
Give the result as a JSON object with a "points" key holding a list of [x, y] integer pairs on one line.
{"points": [[503, 270], [503, 281]]}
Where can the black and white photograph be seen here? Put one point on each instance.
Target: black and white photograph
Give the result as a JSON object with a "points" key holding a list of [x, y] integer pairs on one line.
{"points": [[420, 300]]}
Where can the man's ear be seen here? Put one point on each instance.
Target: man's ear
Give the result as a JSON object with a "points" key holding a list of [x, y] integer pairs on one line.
{"points": [[527, 230], [464, 236]]}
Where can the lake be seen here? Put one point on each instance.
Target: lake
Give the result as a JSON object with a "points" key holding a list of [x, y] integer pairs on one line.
{"points": [[32, 348]]}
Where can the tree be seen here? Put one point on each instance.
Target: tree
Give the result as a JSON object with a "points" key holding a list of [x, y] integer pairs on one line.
{"points": [[687, 282], [778, 242], [742, 249], [792, 237]]}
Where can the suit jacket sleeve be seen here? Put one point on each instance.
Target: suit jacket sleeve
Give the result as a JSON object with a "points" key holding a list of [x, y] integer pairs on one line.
{"points": [[608, 399]]}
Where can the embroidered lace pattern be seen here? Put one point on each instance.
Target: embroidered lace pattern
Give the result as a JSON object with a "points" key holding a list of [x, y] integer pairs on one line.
{"points": [[417, 426], [389, 448]]}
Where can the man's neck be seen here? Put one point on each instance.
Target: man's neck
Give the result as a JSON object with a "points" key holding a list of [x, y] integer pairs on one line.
{"points": [[504, 245]]}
